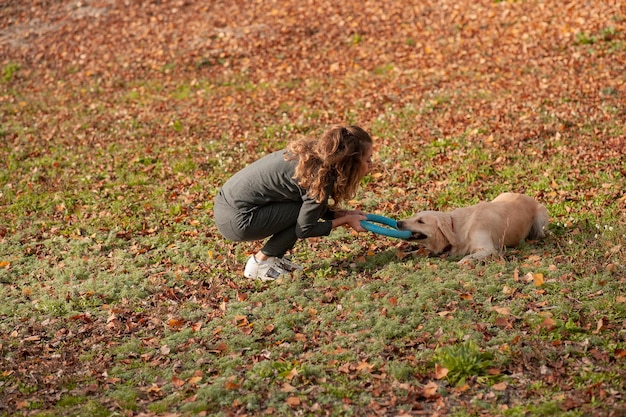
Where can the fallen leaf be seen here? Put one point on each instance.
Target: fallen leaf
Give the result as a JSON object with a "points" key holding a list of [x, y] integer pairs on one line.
{"points": [[601, 324], [440, 371], [548, 324], [194, 380], [32, 338], [177, 382], [292, 374], [231, 386], [287, 387], [364, 366], [506, 290], [293, 401], [501, 386], [430, 390], [175, 323], [505, 311]]}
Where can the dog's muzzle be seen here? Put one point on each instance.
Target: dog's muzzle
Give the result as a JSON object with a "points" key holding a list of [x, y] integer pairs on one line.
{"points": [[418, 236], [414, 235]]}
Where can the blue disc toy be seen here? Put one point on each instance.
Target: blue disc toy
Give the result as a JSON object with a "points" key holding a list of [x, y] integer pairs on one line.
{"points": [[391, 231]]}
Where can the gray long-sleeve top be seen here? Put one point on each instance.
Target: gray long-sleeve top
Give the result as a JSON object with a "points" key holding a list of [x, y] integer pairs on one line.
{"points": [[270, 180]]}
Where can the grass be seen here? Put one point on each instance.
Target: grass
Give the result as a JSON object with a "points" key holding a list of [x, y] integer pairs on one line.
{"points": [[131, 234]]}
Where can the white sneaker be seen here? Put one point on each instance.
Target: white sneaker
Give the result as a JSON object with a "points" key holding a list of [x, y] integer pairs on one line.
{"points": [[286, 264], [268, 270]]}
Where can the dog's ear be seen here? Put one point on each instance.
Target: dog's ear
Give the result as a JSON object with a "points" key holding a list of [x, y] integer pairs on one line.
{"points": [[445, 226]]}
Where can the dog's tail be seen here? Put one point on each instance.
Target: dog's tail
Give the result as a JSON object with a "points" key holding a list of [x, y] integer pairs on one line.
{"points": [[540, 223]]}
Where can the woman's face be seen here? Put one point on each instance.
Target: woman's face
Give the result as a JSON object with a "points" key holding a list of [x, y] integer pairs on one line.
{"points": [[366, 161]]}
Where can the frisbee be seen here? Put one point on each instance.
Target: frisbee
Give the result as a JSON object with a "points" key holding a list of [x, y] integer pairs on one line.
{"points": [[390, 231]]}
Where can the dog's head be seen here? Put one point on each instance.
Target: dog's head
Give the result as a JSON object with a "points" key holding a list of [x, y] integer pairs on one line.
{"points": [[433, 229]]}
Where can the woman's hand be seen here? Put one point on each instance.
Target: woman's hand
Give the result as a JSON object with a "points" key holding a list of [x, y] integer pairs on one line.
{"points": [[352, 218]]}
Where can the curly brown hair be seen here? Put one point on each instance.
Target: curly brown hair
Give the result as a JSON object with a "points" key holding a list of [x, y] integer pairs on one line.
{"points": [[334, 158]]}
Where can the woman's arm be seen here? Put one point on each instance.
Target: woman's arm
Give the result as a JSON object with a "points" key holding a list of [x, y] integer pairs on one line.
{"points": [[350, 217]]}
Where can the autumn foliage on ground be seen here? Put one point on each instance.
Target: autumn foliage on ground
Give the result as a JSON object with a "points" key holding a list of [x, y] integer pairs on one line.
{"points": [[119, 120]]}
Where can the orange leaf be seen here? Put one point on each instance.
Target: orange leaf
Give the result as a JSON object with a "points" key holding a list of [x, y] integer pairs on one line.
{"points": [[293, 401], [505, 311], [600, 325], [177, 382], [231, 386], [549, 324], [154, 389], [440, 371], [221, 347], [364, 366], [292, 374], [430, 390], [194, 380], [501, 386], [400, 255], [176, 323], [287, 387]]}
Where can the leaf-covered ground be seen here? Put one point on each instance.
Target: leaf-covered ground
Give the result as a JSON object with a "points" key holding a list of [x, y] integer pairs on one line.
{"points": [[119, 120]]}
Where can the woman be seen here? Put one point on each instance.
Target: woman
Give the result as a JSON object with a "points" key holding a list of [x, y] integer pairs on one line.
{"points": [[293, 194]]}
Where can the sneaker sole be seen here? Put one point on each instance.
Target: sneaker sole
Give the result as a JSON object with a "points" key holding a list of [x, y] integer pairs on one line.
{"points": [[266, 279]]}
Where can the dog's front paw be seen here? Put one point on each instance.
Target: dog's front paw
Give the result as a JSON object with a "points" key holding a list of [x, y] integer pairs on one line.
{"points": [[475, 256], [466, 261]]}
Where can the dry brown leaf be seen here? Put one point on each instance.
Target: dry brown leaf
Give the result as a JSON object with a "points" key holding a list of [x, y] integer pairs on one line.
{"points": [[505, 311], [177, 382], [287, 387], [500, 386], [440, 371], [430, 390], [293, 401]]}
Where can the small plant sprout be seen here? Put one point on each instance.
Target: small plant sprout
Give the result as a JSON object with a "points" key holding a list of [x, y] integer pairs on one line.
{"points": [[464, 361]]}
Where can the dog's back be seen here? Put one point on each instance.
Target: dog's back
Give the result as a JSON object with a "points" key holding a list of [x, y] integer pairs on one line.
{"points": [[538, 212]]}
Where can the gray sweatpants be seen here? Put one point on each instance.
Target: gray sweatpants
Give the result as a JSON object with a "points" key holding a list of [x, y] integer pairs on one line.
{"points": [[276, 221]]}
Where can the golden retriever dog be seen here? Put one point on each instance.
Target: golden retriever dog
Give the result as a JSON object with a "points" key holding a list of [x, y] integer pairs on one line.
{"points": [[478, 231]]}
